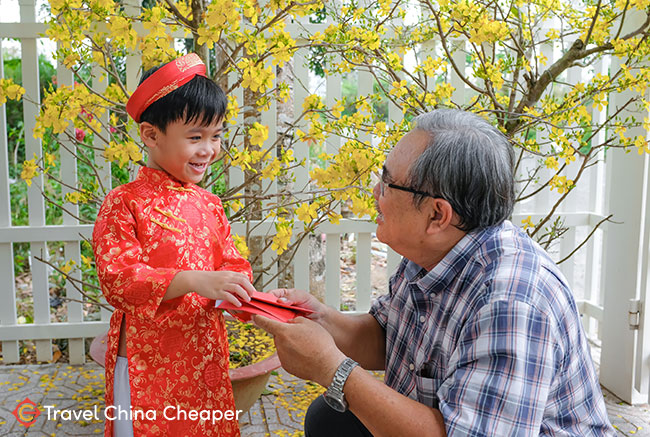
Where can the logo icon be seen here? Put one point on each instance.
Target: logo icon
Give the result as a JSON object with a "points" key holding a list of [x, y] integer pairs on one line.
{"points": [[26, 412]]}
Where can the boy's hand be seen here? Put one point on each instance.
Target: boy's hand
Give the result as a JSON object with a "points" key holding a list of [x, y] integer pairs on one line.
{"points": [[222, 285]]}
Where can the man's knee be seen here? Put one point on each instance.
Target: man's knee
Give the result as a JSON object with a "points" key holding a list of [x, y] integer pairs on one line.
{"points": [[317, 418], [322, 421]]}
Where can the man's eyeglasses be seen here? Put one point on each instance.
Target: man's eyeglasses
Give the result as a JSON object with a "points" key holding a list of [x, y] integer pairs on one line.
{"points": [[383, 184]]}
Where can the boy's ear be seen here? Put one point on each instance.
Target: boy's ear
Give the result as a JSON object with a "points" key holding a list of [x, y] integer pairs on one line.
{"points": [[149, 134]]}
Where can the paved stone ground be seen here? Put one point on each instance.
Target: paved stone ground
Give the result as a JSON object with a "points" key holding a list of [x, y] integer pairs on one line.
{"points": [[279, 412]]}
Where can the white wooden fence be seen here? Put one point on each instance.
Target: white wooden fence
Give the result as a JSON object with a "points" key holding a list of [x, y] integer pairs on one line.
{"points": [[38, 234], [615, 185]]}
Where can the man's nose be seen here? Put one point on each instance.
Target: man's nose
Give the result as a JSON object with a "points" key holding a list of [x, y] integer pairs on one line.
{"points": [[376, 191]]}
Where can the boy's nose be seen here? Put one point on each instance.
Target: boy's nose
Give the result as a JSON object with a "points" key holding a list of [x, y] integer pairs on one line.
{"points": [[205, 149]]}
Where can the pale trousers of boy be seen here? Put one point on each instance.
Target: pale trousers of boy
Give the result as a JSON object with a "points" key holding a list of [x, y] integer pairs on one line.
{"points": [[122, 398]]}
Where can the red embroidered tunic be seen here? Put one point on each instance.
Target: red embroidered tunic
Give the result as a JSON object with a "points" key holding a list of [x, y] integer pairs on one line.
{"points": [[147, 231]]}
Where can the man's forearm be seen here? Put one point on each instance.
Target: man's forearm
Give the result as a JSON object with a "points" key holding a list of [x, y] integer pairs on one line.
{"points": [[358, 336], [386, 412]]}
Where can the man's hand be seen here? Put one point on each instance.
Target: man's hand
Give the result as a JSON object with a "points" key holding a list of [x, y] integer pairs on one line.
{"points": [[305, 348], [308, 351], [221, 285], [358, 336], [300, 298]]}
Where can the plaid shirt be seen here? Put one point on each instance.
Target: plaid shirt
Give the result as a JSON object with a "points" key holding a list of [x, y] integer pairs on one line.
{"points": [[492, 338]]}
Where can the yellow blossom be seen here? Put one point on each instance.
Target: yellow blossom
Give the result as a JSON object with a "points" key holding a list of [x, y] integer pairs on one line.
{"points": [[258, 134], [568, 154], [284, 93], [282, 237], [76, 197], [86, 261], [542, 59], [50, 160], [67, 267], [232, 109], [240, 244], [552, 34], [334, 217], [287, 156], [551, 162], [528, 223], [235, 205], [561, 183], [399, 89], [282, 53], [122, 31], [337, 109], [641, 144], [29, 170], [272, 169], [306, 212], [10, 90], [312, 101], [122, 152]]}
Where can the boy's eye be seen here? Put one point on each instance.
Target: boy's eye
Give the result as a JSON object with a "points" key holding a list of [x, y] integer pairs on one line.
{"points": [[195, 138]]}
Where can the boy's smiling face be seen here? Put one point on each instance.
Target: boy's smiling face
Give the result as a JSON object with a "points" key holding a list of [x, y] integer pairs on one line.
{"points": [[184, 150]]}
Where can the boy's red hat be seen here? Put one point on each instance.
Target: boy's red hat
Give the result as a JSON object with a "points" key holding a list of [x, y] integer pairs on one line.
{"points": [[166, 79]]}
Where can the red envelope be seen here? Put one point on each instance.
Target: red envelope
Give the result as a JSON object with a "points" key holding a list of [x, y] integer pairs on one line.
{"points": [[267, 305]]}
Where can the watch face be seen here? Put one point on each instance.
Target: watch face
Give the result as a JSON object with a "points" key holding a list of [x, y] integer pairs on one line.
{"points": [[337, 404]]}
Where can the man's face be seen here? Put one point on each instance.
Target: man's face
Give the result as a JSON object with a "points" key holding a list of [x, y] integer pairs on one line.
{"points": [[399, 223], [186, 150]]}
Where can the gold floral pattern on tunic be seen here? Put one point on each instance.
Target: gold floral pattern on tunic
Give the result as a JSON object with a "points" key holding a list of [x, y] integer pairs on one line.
{"points": [[146, 232]]}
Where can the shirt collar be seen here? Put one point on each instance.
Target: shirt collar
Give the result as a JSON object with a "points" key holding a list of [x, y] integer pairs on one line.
{"points": [[438, 278], [160, 179]]}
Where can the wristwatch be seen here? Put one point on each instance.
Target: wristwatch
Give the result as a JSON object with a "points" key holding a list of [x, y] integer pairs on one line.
{"points": [[334, 393]]}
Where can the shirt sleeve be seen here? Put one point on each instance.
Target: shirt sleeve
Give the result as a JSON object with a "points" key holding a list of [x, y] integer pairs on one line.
{"points": [[502, 372], [231, 258], [380, 307], [128, 284], [379, 310]]}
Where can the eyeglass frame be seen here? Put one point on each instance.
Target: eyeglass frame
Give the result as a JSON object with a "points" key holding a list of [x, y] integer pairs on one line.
{"points": [[383, 183]]}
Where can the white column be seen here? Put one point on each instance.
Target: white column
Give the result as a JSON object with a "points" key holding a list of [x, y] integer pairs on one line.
{"points": [[623, 252]]}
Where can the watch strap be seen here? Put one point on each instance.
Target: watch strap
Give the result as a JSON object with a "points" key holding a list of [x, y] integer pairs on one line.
{"points": [[341, 375]]}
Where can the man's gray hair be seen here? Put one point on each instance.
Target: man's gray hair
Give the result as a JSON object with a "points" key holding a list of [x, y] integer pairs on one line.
{"points": [[469, 163]]}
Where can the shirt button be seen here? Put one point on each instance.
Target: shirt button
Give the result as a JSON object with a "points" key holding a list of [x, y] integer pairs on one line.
{"points": [[422, 319], [412, 366]]}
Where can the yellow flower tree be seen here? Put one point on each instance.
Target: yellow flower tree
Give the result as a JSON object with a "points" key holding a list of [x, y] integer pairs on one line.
{"points": [[507, 61]]}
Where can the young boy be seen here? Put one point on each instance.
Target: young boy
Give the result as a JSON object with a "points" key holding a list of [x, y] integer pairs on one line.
{"points": [[164, 254]]}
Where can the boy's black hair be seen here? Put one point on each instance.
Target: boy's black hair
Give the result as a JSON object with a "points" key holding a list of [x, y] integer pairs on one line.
{"points": [[200, 100]]}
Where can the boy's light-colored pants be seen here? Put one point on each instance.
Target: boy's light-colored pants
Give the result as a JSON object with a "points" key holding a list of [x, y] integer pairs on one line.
{"points": [[122, 398]]}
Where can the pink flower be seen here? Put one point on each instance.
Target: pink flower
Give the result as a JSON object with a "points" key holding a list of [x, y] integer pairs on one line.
{"points": [[79, 134], [87, 114]]}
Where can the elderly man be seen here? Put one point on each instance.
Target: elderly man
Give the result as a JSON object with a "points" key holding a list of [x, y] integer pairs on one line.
{"points": [[479, 334]]}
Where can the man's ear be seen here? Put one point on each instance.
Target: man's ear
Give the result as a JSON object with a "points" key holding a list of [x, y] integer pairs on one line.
{"points": [[149, 134], [441, 215]]}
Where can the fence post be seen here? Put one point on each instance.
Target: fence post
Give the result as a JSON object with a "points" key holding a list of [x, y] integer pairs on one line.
{"points": [[10, 352], [301, 174], [270, 120], [36, 206], [72, 250]]}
